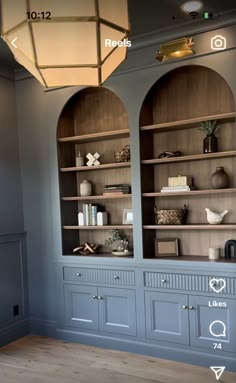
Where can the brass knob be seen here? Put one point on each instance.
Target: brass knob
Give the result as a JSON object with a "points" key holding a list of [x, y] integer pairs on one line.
{"points": [[116, 276], [163, 281], [95, 297], [191, 308], [184, 307], [78, 274], [100, 297]]}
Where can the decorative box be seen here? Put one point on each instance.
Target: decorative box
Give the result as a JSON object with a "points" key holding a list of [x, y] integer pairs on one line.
{"points": [[180, 181]]}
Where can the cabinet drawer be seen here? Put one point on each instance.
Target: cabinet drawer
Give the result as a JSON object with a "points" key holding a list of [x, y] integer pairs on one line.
{"points": [[111, 277], [199, 283]]}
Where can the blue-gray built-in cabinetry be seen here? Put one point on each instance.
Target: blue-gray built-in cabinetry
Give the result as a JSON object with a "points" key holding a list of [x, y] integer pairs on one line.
{"points": [[179, 308]]}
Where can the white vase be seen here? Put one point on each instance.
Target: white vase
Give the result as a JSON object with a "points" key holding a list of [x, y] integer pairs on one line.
{"points": [[85, 188], [79, 160]]}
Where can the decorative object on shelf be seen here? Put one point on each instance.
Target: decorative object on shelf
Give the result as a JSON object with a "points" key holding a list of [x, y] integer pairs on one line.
{"points": [[176, 49], [170, 216], [102, 218], [170, 154], [123, 155], [215, 218], [120, 240], [116, 189], [220, 179], [85, 188], [81, 220], [86, 248], [230, 246], [167, 247], [67, 62], [79, 160], [213, 253], [210, 141], [93, 159], [180, 181], [127, 216], [178, 184]]}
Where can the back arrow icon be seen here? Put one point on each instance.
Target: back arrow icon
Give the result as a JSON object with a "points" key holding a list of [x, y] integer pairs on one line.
{"points": [[13, 42]]}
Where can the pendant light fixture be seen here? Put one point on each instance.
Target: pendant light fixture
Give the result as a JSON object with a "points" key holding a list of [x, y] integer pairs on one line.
{"points": [[175, 49], [67, 42]]}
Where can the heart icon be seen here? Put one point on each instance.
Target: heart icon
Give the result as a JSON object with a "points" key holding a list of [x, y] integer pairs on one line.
{"points": [[217, 285]]}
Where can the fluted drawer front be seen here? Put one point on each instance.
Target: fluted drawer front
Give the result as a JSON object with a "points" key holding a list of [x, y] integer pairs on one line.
{"points": [[114, 277], [199, 283]]}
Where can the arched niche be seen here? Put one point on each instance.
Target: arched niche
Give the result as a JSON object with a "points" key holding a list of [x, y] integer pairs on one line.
{"points": [[185, 93], [169, 121], [93, 120]]}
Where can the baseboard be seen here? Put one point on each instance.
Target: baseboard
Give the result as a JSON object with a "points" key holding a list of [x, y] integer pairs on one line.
{"points": [[164, 352], [198, 358], [13, 332], [42, 327]]}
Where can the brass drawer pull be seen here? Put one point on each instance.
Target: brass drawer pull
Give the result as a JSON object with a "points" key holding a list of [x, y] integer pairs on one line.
{"points": [[78, 274]]}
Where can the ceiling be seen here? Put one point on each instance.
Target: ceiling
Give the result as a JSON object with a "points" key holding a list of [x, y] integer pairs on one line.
{"points": [[147, 16]]}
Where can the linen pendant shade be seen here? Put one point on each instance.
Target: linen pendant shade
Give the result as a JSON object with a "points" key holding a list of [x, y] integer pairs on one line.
{"points": [[62, 42]]}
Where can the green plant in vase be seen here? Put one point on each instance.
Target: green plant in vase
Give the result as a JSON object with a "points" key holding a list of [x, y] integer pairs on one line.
{"points": [[210, 141], [118, 241]]}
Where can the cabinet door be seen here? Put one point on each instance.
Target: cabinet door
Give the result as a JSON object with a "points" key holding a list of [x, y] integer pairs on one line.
{"points": [[81, 305], [167, 317], [207, 323], [117, 310]]}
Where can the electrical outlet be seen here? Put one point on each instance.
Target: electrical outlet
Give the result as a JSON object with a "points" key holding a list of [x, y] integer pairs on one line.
{"points": [[16, 310]]}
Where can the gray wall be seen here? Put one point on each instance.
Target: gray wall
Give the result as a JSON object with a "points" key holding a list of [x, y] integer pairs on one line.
{"points": [[37, 115], [13, 271]]}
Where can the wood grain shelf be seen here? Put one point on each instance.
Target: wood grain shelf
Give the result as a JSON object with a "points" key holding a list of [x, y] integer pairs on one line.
{"points": [[190, 193], [96, 197], [101, 255], [194, 157], [107, 227], [193, 258], [92, 137], [187, 124], [99, 167], [191, 227]]}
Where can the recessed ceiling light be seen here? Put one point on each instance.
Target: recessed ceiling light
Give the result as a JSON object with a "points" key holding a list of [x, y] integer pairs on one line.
{"points": [[192, 6]]}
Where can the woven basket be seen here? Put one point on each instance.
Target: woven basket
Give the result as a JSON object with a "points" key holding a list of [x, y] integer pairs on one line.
{"points": [[123, 155], [170, 216]]}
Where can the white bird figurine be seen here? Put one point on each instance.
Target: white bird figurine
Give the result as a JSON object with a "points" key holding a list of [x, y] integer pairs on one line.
{"points": [[214, 218]]}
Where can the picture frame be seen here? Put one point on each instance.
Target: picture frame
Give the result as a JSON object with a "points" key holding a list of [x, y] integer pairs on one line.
{"points": [[167, 247], [127, 216]]}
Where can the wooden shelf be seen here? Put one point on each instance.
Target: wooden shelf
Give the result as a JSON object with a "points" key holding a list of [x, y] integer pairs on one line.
{"points": [[99, 167], [187, 124], [194, 157], [96, 197], [193, 258], [101, 255], [190, 193], [107, 227], [110, 135], [191, 227]]}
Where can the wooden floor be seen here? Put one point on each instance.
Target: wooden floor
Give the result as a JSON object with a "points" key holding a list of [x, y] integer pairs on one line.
{"points": [[35, 359]]}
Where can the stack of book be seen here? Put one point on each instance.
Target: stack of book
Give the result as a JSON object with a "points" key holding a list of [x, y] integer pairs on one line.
{"points": [[180, 188], [89, 216], [116, 189]]}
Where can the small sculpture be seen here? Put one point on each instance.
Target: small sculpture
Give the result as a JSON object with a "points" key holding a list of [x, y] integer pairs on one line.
{"points": [[214, 218], [86, 248], [229, 246], [93, 159]]}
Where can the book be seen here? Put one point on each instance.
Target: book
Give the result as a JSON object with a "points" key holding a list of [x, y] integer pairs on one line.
{"points": [[114, 193], [176, 189], [94, 215], [116, 186]]}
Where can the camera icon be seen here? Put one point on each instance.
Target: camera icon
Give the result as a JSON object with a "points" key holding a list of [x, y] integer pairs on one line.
{"points": [[218, 43]]}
